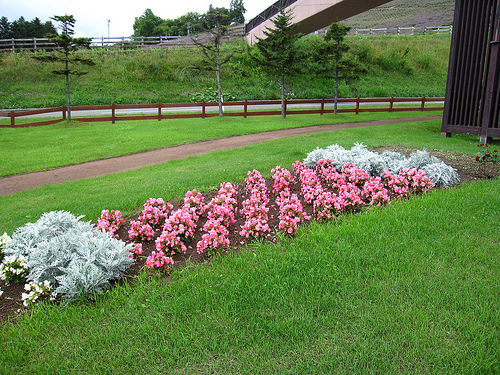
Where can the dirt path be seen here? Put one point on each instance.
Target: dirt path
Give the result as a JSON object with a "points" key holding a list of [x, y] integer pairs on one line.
{"points": [[13, 184]]}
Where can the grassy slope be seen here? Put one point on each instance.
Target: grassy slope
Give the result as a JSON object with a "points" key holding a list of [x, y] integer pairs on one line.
{"points": [[164, 75]]}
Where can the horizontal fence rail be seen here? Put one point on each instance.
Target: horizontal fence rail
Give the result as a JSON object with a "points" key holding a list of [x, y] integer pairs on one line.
{"points": [[127, 42], [37, 44], [157, 111], [415, 30]]}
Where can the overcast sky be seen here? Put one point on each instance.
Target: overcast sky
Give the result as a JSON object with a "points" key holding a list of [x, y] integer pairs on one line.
{"points": [[92, 15]]}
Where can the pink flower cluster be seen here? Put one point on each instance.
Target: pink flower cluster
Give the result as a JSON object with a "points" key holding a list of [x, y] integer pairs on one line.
{"points": [[155, 212], [140, 232], [136, 250], [291, 211], [195, 201], [158, 261], [418, 181], [354, 188], [179, 226], [110, 221], [153, 215], [220, 212], [256, 207], [282, 179]]}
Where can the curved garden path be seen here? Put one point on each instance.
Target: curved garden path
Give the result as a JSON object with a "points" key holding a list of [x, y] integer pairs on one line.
{"points": [[97, 168]]}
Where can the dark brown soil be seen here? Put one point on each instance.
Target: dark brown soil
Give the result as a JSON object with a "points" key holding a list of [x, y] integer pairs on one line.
{"points": [[468, 169]]}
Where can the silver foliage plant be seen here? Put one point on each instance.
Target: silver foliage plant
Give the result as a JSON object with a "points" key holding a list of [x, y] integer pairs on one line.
{"points": [[440, 174], [74, 256]]}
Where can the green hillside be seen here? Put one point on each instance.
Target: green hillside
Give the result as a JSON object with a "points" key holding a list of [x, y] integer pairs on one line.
{"points": [[405, 13], [396, 66]]}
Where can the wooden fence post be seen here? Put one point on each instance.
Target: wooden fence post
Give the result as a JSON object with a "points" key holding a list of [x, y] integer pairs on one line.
{"points": [[203, 109], [113, 107], [12, 119], [322, 106], [159, 111], [286, 101], [63, 113], [357, 105], [391, 104], [422, 107], [245, 108]]}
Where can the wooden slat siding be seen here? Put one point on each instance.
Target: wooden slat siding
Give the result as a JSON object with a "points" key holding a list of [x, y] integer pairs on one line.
{"points": [[472, 98], [492, 96], [204, 113]]}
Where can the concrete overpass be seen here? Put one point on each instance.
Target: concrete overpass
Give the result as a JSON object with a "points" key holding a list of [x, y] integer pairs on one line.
{"points": [[311, 15]]}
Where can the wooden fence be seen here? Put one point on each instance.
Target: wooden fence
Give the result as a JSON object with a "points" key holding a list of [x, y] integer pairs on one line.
{"points": [[236, 108]]}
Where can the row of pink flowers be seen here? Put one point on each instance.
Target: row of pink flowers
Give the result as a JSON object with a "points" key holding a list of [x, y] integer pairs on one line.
{"points": [[220, 212], [255, 208], [291, 211]]}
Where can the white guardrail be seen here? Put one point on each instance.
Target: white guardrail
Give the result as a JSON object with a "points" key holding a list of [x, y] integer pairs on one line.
{"points": [[125, 42]]}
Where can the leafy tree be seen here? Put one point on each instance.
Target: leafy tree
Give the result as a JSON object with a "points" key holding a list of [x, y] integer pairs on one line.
{"points": [[66, 52], [216, 17], [278, 54], [213, 59], [179, 26], [237, 11], [333, 58], [148, 24]]}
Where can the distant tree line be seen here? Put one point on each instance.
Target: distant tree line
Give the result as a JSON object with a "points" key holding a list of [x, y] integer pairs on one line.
{"points": [[22, 29], [148, 24]]}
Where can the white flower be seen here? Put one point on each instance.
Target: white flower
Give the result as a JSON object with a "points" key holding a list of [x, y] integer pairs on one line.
{"points": [[5, 239]]}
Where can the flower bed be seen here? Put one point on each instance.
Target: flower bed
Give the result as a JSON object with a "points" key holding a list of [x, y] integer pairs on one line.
{"points": [[166, 234]]}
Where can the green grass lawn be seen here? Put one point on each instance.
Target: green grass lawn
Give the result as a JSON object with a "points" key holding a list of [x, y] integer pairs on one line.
{"points": [[413, 287], [40, 148]]}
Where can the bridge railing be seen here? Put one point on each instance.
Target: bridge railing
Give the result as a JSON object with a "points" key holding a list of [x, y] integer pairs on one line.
{"points": [[245, 108], [36, 44]]}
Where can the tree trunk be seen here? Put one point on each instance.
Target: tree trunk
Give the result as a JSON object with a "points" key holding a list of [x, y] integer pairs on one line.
{"points": [[219, 90], [283, 111], [336, 91], [67, 92]]}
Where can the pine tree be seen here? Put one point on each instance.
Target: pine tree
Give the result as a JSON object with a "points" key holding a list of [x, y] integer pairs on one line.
{"points": [[65, 54], [5, 28], [279, 55], [333, 60]]}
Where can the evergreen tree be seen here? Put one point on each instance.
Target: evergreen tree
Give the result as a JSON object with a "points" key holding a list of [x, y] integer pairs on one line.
{"points": [[278, 53], [66, 52], [333, 59], [20, 29], [5, 28]]}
